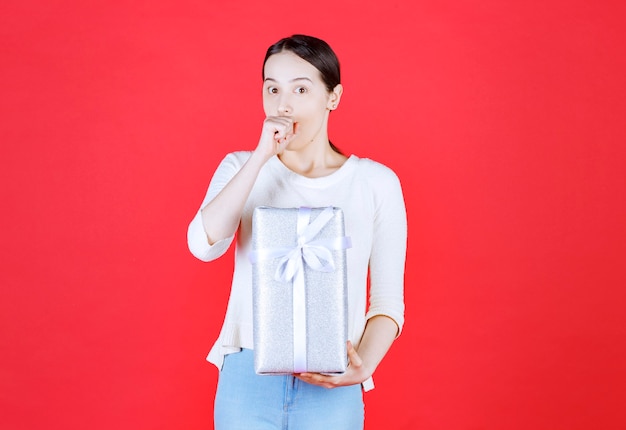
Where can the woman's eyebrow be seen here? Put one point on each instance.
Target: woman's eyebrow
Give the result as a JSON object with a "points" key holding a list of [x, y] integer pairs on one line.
{"points": [[292, 80]]}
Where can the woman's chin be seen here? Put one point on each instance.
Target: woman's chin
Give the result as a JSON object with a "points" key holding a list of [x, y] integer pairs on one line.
{"points": [[294, 145]]}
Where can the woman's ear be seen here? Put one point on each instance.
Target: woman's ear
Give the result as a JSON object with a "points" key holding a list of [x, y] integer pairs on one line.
{"points": [[335, 97]]}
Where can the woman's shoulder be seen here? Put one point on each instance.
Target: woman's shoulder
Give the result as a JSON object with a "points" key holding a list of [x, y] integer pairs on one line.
{"points": [[230, 164], [381, 181], [233, 161], [238, 156], [375, 170]]}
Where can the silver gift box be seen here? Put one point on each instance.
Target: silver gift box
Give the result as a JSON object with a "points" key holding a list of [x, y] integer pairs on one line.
{"points": [[307, 331]]}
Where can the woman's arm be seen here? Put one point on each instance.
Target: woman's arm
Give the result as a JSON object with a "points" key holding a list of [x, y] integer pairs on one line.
{"points": [[385, 315], [379, 334], [220, 217]]}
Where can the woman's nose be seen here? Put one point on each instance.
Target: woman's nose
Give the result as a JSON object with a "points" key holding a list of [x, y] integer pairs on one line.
{"points": [[284, 107]]}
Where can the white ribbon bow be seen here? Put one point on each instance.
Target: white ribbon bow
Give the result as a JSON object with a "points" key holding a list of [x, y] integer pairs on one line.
{"points": [[316, 254]]}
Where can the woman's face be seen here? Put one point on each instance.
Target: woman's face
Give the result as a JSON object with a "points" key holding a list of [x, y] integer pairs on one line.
{"points": [[294, 88]]}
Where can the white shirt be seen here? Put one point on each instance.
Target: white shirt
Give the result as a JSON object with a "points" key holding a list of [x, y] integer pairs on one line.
{"points": [[370, 196]]}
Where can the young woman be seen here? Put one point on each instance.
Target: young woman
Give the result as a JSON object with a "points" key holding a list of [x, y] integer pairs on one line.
{"points": [[294, 164]]}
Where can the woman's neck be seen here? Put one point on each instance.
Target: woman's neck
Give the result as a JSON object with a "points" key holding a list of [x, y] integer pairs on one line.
{"points": [[313, 162]]}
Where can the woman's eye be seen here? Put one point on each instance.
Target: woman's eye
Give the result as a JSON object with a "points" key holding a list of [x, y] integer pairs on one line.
{"points": [[272, 90], [301, 90]]}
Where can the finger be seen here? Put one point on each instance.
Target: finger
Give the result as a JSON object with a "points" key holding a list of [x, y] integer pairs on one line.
{"points": [[282, 121], [355, 359], [279, 133], [280, 124], [283, 134], [288, 137], [290, 129], [317, 379]]}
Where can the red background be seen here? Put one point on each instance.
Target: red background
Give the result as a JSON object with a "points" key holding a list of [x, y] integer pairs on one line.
{"points": [[503, 119]]}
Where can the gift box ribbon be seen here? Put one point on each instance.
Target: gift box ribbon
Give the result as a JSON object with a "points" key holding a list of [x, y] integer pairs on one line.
{"points": [[317, 254]]}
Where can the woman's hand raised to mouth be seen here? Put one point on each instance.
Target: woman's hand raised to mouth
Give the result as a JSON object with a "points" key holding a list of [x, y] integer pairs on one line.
{"points": [[277, 133]]}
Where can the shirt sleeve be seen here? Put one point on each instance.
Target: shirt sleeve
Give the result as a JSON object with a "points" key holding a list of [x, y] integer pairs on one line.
{"points": [[197, 240], [387, 260]]}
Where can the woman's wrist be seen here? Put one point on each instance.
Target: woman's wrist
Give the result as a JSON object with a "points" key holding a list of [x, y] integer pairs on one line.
{"points": [[259, 158]]}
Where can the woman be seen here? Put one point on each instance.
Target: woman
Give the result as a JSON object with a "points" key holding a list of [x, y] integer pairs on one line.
{"points": [[294, 164]]}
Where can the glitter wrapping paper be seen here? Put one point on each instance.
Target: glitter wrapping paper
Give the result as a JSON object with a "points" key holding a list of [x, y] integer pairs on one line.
{"points": [[324, 297]]}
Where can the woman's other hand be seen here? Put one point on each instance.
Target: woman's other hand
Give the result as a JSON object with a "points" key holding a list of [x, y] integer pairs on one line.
{"points": [[354, 374]]}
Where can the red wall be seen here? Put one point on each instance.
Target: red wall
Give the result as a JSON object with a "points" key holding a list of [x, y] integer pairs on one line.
{"points": [[504, 120]]}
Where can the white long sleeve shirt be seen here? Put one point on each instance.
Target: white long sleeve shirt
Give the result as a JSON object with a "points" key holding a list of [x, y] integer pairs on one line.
{"points": [[370, 196]]}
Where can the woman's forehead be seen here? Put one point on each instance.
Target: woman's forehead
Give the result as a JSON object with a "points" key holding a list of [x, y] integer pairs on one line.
{"points": [[287, 66]]}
